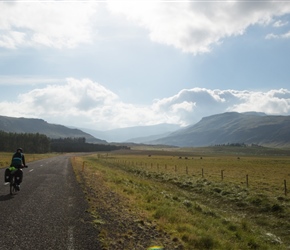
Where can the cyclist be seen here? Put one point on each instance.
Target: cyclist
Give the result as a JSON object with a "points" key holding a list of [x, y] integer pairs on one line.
{"points": [[17, 162]]}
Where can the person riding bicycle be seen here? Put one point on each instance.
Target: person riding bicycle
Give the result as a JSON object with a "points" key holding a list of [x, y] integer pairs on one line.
{"points": [[17, 162]]}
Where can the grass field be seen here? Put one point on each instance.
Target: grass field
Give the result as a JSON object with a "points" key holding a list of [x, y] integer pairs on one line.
{"points": [[5, 158], [207, 198]]}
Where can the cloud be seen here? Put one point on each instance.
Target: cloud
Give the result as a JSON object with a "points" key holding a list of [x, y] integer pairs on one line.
{"points": [[274, 102], [279, 24], [87, 104], [184, 106], [81, 103], [196, 27], [280, 36], [53, 24], [191, 26], [206, 102], [271, 36]]}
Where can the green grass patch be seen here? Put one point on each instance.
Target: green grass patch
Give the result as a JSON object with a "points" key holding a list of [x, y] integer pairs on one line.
{"points": [[192, 200]]}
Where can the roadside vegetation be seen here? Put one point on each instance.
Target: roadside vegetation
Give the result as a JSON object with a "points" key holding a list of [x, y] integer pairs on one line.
{"points": [[203, 198]]}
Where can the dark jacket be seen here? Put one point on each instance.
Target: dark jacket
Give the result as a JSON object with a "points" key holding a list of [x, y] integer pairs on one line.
{"points": [[18, 159]]}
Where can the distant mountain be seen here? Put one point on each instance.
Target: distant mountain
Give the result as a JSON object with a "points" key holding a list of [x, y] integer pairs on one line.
{"points": [[226, 128], [137, 134], [30, 125], [148, 139], [233, 127]]}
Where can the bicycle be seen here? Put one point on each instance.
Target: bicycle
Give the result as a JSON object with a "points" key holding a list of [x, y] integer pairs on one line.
{"points": [[13, 188], [14, 180]]}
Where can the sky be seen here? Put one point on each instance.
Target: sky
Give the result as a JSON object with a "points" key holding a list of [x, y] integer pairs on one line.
{"points": [[113, 64]]}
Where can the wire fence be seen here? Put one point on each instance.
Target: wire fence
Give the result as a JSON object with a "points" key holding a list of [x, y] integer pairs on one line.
{"points": [[260, 177]]}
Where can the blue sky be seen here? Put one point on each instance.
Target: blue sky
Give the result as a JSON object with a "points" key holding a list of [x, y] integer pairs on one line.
{"points": [[110, 64]]}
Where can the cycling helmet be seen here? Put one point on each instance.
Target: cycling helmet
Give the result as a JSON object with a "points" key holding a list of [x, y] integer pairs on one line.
{"points": [[19, 149]]}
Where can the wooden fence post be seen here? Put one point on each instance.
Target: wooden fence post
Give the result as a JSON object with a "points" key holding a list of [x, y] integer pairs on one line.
{"points": [[247, 180], [222, 174], [285, 188]]}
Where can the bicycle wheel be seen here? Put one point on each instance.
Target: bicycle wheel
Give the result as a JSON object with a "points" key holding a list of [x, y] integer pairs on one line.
{"points": [[12, 186]]}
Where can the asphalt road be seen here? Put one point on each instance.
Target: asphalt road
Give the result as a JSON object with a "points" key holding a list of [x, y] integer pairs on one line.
{"points": [[49, 212]]}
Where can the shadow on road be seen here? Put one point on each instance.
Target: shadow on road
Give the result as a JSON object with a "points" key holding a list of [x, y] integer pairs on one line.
{"points": [[6, 197]]}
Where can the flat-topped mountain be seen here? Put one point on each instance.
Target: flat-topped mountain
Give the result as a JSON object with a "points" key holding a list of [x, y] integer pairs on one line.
{"points": [[233, 127]]}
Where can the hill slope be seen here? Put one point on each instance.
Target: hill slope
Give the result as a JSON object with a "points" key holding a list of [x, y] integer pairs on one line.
{"points": [[30, 125], [232, 127]]}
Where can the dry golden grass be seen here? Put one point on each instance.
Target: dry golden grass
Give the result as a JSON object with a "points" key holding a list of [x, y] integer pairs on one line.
{"points": [[5, 158], [263, 174]]}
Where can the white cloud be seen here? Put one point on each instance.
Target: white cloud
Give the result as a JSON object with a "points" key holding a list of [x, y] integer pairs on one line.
{"points": [[286, 35], [81, 103], [274, 102], [53, 24], [209, 102], [193, 27], [271, 36], [196, 26], [281, 36], [183, 106], [279, 24], [87, 104]]}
